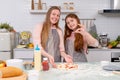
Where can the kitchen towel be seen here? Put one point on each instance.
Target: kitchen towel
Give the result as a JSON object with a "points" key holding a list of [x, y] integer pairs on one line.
{"points": [[93, 31]]}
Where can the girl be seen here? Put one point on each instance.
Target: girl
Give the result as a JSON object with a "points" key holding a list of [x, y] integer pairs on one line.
{"points": [[76, 38]]}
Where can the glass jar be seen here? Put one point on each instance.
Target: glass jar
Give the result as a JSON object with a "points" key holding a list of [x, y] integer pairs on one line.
{"points": [[44, 6], [39, 5], [71, 6], [32, 5], [65, 6], [36, 6], [45, 64]]}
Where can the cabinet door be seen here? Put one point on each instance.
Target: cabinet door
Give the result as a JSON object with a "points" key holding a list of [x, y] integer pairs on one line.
{"points": [[5, 55], [5, 42], [25, 54], [97, 56]]}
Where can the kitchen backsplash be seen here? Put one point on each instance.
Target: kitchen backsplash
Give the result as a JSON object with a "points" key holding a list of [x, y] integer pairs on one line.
{"points": [[20, 18]]}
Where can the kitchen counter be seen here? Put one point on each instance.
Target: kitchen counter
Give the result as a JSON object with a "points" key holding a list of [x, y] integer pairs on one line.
{"points": [[26, 49], [86, 71], [104, 49], [94, 54], [100, 54]]}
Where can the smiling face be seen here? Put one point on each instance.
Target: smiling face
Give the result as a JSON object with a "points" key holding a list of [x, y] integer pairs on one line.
{"points": [[71, 23], [54, 16]]}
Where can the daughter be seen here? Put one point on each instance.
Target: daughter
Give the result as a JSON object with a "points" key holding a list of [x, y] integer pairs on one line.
{"points": [[76, 38]]}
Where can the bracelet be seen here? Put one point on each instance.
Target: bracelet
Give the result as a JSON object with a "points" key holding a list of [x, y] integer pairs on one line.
{"points": [[62, 51]]}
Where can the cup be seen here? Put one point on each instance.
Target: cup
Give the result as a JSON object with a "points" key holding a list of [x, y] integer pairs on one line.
{"points": [[28, 66]]}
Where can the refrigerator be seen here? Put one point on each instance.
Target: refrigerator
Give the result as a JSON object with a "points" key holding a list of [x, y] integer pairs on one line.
{"points": [[6, 45]]}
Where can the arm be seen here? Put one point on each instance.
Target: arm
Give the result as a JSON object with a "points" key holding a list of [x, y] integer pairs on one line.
{"points": [[91, 41], [62, 48], [87, 37], [36, 35], [37, 41]]}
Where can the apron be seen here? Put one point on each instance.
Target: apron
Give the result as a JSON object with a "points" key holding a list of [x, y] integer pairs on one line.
{"points": [[52, 46], [77, 56]]}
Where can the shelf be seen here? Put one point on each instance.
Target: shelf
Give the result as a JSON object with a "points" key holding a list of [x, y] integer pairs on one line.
{"points": [[45, 11]]}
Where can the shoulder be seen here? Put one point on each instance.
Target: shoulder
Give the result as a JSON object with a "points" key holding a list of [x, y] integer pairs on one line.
{"points": [[38, 28], [59, 30], [83, 26], [39, 25]]}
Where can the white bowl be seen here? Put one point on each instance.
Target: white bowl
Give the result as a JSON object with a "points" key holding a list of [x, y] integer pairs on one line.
{"points": [[15, 63]]}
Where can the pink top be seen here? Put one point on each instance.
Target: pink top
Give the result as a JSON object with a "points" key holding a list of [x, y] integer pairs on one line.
{"points": [[88, 40]]}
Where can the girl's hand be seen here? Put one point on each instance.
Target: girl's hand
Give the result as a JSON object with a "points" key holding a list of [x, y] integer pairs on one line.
{"points": [[81, 31], [51, 59], [82, 26], [68, 59]]}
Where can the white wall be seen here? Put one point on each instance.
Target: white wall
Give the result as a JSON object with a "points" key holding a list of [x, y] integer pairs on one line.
{"points": [[16, 12]]}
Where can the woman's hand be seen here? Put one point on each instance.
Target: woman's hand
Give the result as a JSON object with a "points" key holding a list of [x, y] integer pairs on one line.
{"points": [[68, 59], [51, 59]]}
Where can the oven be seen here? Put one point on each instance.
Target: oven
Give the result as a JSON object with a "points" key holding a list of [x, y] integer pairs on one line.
{"points": [[115, 56]]}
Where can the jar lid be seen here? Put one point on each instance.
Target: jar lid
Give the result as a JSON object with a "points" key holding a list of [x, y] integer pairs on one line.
{"points": [[65, 3], [71, 3], [45, 58]]}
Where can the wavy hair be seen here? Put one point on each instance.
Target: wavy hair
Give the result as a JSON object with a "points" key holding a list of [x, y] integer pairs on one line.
{"points": [[47, 26], [78, 43]]}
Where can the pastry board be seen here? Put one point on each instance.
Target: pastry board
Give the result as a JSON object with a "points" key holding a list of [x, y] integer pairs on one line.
{"points": [[21, 77]]}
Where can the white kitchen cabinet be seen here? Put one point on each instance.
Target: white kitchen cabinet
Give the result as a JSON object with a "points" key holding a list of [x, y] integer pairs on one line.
{"points": [[115, 55], [23, 53], [94, 55], [97, 55], [5, 55]]}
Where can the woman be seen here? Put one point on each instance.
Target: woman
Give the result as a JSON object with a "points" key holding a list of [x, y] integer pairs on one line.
{"points": [[76, 38], [49, 37]]}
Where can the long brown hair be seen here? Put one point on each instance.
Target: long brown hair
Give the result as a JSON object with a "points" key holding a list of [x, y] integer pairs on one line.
{"points": [[78, 43], [47, 26]]}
